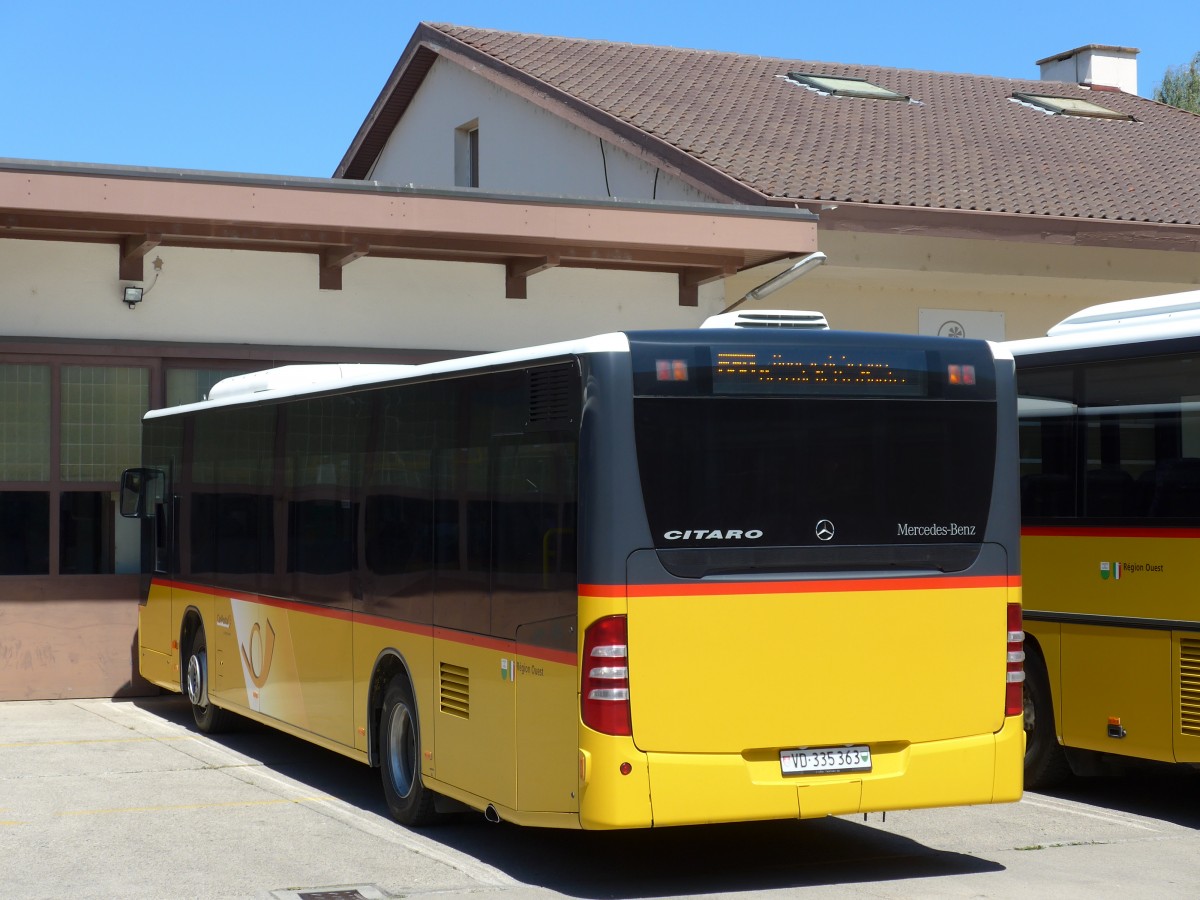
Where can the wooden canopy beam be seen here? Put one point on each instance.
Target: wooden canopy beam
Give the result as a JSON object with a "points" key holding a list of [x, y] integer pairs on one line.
{"points": [[517, 271], [134, 248], [334, 259]]}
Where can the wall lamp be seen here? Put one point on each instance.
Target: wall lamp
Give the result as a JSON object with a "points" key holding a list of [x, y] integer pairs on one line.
{"points": [[787, 276], [131, 294]]}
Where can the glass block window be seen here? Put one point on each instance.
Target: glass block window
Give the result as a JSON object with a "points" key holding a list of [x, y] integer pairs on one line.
{"points": [[24, 422], [101, 420], [193, 385]]}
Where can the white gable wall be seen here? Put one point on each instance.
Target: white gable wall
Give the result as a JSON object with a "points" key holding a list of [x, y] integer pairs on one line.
{"points": [[522, 148]]}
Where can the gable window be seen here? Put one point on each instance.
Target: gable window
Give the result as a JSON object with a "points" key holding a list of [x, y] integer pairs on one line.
{"points": [[1069, 106], [842, 86], [466, 155]]}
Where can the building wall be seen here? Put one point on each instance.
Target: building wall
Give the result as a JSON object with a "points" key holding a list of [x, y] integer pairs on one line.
{"points": [[523, 149], [872, 281], [882, 282], [59, 642], [70, 290]]}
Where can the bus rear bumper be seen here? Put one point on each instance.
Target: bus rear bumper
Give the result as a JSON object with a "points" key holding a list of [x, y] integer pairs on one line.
{"points": [[702, 788]]}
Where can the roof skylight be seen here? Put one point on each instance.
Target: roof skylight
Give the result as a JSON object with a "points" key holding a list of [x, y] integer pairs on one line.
{"points": [[1069, 106], [843, 86]]}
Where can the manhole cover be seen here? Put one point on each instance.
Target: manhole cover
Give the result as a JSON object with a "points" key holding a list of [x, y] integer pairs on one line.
{"points": [[340, 892]]}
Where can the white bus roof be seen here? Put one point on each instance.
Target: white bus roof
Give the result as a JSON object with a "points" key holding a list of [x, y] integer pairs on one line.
{"points": [[300, 377], [1121, 322], [295, 381]]}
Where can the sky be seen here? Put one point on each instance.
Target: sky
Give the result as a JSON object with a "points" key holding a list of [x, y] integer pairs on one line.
{"points": [[281, 88]]}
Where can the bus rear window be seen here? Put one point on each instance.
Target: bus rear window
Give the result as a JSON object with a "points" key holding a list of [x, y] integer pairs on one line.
{"points": [[821, 473]]}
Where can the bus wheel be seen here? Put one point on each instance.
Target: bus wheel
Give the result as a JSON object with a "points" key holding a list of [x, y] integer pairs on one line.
{"points": [[1045, 763], [400, 757], [209, 718]]}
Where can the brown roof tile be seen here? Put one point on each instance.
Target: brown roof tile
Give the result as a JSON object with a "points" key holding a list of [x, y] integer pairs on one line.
{"points": [[962, 143]]}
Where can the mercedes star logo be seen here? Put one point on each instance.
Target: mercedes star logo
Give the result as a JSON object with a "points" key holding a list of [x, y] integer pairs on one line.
{"points": [[824, 530]]}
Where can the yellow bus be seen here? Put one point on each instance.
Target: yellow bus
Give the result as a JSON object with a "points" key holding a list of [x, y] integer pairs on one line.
{"points": [[1110, 494], [641, 579]]}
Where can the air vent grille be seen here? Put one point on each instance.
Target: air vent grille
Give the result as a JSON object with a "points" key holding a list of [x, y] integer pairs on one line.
{"points": [[551, 395], [769, 318], [455, 690], [1189, 686]]}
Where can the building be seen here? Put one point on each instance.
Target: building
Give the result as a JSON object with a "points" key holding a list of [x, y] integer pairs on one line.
{"points": [[1006, 204]]}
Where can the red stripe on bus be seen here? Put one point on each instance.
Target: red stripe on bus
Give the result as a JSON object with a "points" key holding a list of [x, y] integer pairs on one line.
{"points": [[395, 625], [487, 642], [801, 587], [603, 590], [316, 609], [547, 654], [1133, 532]]}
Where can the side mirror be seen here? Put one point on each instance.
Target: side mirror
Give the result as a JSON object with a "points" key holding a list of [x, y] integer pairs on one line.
{"points": [[141, 492]]}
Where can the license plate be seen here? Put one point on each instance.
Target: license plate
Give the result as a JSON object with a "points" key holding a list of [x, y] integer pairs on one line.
{"points": [[825, 759]]}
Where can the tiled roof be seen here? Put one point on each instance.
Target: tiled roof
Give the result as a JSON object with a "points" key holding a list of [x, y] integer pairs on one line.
{"points": [[963, 144]]}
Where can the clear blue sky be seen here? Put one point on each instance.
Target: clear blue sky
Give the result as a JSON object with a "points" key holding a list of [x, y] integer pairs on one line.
{"points": [[281, 87]]}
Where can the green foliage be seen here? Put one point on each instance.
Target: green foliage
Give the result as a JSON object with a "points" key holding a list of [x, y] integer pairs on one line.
{"points": [[1181, 86]]}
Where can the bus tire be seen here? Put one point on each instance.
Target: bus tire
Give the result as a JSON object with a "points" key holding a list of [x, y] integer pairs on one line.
{"points": [[1045, 762], [210, 719], [408, 800]]}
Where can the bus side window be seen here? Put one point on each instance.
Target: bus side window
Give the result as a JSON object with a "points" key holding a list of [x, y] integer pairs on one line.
{"points": [[1047, 496], [1048, 466], [1176, 485], [1109, 493]]}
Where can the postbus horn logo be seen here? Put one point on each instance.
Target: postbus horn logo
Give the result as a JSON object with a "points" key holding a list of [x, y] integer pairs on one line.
{"points": [[261, 651]]}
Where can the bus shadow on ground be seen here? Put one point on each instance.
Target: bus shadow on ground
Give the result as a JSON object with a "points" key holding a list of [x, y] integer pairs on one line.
{"points": [[701, 859], [1153, 790], [697, 859], [320, 769]]}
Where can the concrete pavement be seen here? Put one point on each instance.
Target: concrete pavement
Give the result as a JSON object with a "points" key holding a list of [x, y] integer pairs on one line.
{"points": [[122, 799]]}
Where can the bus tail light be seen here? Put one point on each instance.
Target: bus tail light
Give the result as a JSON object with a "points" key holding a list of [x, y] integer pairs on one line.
{"points": [[671, 369], [604, 686], [1014, 702], [960, 374]]}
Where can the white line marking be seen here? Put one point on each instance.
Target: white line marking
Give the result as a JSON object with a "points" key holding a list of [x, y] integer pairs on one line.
{"points": [[1074, 809]]}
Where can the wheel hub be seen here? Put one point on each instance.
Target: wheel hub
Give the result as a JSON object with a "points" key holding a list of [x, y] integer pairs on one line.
{"points": [[197, 689], [402, 750]]}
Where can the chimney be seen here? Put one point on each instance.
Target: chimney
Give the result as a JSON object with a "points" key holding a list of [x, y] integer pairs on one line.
{"points": [[1097, 66]]}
